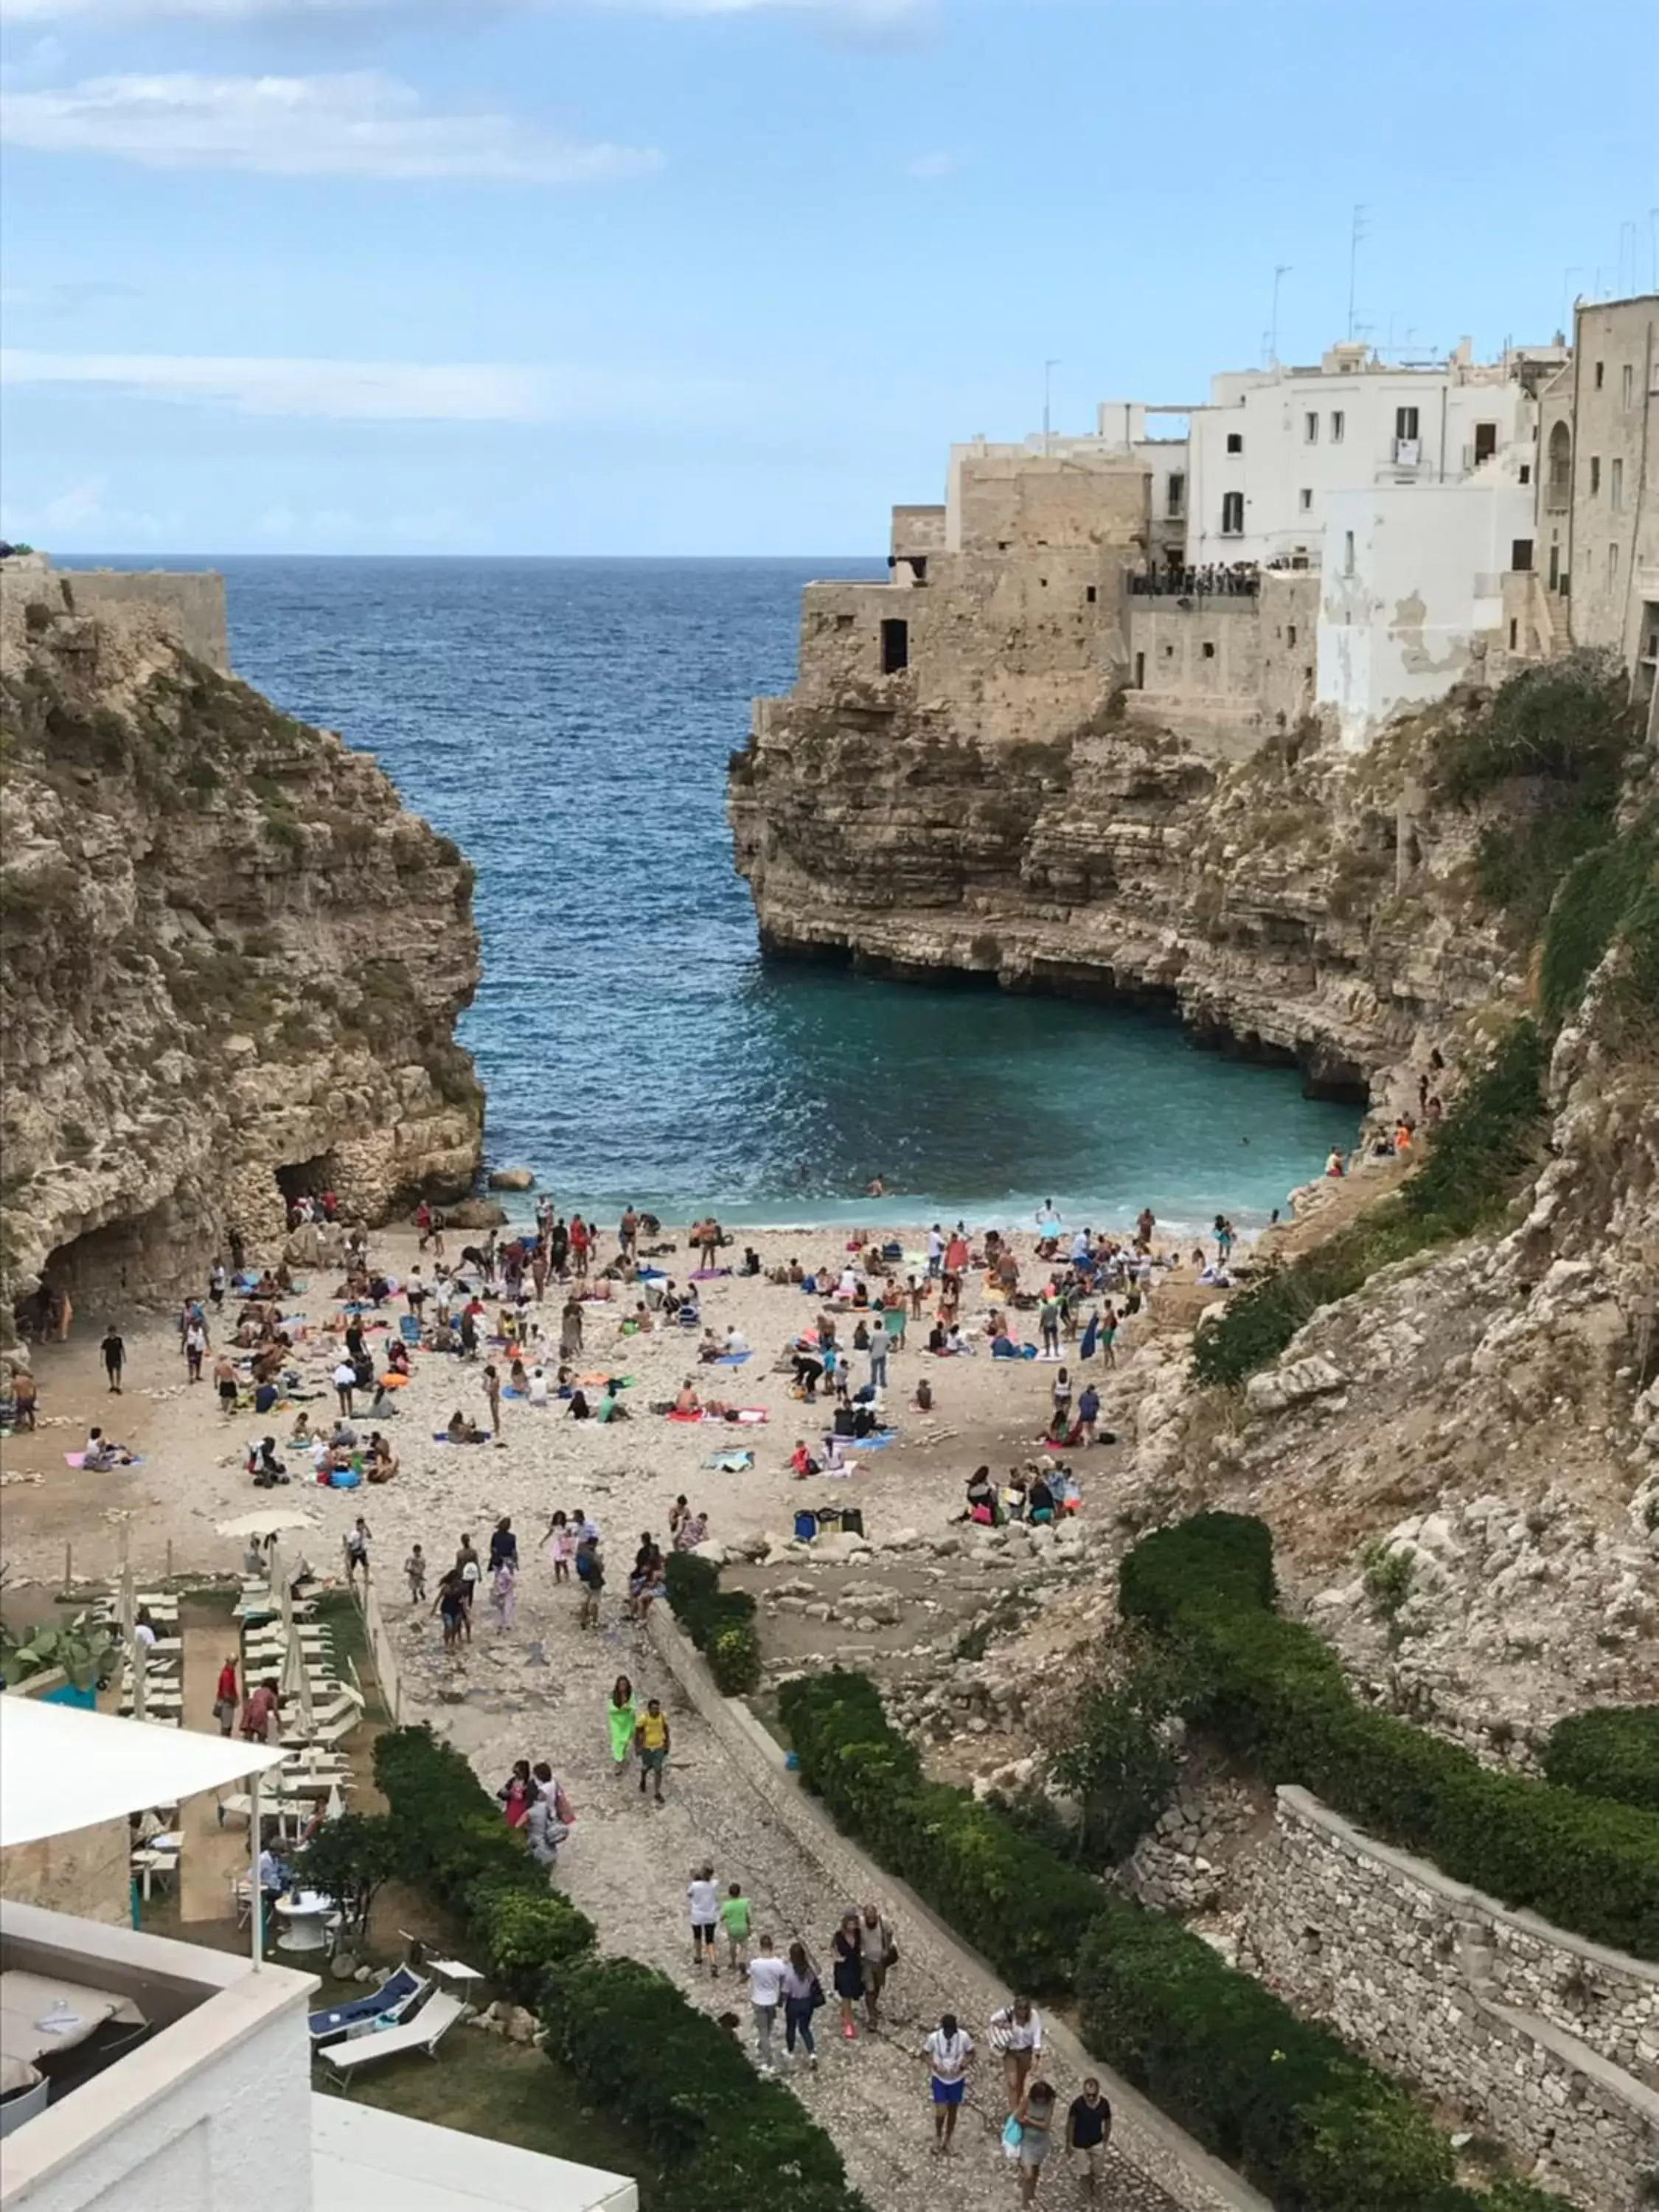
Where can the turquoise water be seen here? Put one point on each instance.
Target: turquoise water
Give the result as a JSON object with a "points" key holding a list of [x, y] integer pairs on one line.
{"points": [[568, 723]]}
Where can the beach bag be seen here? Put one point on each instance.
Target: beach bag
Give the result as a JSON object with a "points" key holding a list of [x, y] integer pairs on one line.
{"points": [[1012, 2136], [563, 1808], [815, 1996], [844, 1421], [806, 1527]]}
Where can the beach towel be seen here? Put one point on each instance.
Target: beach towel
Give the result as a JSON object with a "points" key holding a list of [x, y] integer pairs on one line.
{"points": [[442, 1437], [731, 1360], [79, 1459], [708, 1275], [749, 1415], [730, 1463], [879, 1441]]}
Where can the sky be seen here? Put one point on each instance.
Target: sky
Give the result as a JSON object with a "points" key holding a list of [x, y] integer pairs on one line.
{"points": [[727, 277]]}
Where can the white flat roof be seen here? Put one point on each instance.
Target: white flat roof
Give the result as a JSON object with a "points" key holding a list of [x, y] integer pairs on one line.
{"points": [[360, 2156]]}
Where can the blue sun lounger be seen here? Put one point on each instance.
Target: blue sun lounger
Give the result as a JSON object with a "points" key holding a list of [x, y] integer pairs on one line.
{"points": [[397, 1996]]}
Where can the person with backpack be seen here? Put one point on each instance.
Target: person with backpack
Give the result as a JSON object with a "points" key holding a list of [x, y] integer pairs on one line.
{"points": [[590, 1573]]}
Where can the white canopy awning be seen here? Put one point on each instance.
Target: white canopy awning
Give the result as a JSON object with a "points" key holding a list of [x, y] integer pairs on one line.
{"points": [[62, 1767]]}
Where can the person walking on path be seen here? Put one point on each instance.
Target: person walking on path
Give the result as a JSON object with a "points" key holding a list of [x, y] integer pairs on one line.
{"points": [[226, 1698], [848, 1949], [803, 1994], [1016, 2036], [1088, 2131], [949, 2052], [114, 1351], [504, 1593], [356, 1552], [880, 1957], [1036, 2114], [766, 1978], [622, 1719], [652, 1740], [702, 1901], [734, 1918], [590, 1573], [196, 1345], [451, 1605], [415, 1568], [570, 1329]]}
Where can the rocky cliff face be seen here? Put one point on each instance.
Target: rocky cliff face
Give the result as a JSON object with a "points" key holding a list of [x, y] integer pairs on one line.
{"points": [[233, 964], [1270, 900]]}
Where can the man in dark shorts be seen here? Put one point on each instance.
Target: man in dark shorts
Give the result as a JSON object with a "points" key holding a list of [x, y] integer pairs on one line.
{"points": [[1088, 2131], [115, 1357], [224, 1374], [650, 1741]]}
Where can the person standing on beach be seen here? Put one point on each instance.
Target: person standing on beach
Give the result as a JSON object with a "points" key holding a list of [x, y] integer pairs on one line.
{"points": [[848, 1949], [570, 1330], [492, 1389], [622, 1720], [627, 1234], [949, 2052], [590, 1573], [195, 1344], [115, 1357], [216, 1283], [652, 1740], [415, 1568]]}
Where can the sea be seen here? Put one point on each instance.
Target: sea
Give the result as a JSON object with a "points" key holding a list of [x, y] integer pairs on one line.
{"points": [[568, 723]]}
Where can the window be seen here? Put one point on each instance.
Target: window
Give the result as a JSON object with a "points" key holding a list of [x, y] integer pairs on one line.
{"points": [[1486, 442], [1615, 485], [1209, 649], [1235, 441], [1555, 567], [1140, 671], [1305, 499], [1338, 424], [1627, 385], [895, 647], [1612, 565], [1290, 634], [1595, 474], [1405, 421], [1347, 552], [1521, 556], [1525, 472], [1514, 630], [918, 567], [1600, 372], [1233, 514], [843, 621], [1311, 428], [1177, 496], [1090, 593]]}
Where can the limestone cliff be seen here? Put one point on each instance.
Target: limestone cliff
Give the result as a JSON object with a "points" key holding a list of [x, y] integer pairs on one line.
{"points": [[232, 962], [1272, 900]]}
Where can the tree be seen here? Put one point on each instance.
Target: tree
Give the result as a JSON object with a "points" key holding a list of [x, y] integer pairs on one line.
{"points": [[349, 1859]]}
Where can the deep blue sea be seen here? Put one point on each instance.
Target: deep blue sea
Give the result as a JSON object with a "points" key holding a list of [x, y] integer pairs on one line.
{"points": [[568, 722]]}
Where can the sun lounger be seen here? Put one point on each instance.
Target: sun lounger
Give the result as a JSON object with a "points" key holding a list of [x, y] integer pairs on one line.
{"points": [[397, 1996], [424, 2032]]}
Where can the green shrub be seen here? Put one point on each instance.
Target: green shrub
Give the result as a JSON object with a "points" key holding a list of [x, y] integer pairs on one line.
{"points": [[1479, 1154], [1612, 1752], [1316, 2127], [1275, 1695], [721, 1623], [1020, 1905], [726, 2139], [643, 2052]]}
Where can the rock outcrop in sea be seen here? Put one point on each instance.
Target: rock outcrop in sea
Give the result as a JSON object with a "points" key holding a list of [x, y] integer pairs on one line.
{"points": [[232, 962]]}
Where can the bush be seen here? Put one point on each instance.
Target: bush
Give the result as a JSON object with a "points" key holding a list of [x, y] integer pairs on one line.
{"points": [[642, 2051], [1022, 1907], [721, 1623], [1275, 1695], [1613, 1751], [1479, 1152], [1316, 2127]]}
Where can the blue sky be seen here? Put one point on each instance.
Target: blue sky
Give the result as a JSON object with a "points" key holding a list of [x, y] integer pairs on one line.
{"points": [[727, 275]]}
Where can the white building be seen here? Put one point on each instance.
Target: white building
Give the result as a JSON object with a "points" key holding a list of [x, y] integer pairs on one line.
{"points": [[1273, 446], [140, 2075], [1411, 591]]}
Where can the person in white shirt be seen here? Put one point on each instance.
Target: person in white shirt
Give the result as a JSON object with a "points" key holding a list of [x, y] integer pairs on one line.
{"points": [[703, 1905], [1017, 2033], [948, 2051], [143, 1631], [735, 1340], [766, 1978], [537, 1388]]}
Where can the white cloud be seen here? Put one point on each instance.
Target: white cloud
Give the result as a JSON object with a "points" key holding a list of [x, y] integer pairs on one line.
{"points": [[371, 391], [359, 123], [932, 168]]}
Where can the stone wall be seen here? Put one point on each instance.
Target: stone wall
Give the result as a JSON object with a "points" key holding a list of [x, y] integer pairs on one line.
{"points": [[1547, 2042], [86, 1873], [190, 603]]}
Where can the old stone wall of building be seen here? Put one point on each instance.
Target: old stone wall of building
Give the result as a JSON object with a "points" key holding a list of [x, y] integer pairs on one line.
{"points": [[192, 603], [1537, 2037], [88, 1873]]}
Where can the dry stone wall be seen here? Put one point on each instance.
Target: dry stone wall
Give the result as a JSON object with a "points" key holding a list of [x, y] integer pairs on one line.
{"points": [[1549, 2042]]}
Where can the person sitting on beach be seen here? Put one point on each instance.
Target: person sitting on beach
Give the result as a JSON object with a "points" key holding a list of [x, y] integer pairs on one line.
{"points": [[736, 1341], [610, 1406], [536, 1389], [923, 1400], [380, 1464], [691, 1532], [936, 1340], [102, 1452], [517, 1375], [1040, 1503], [982, 1499], [802, 1462], [751, 1261], [687, 1400], [462, 1431], [578, 1409], [1014, 1495], [710, 1350]]}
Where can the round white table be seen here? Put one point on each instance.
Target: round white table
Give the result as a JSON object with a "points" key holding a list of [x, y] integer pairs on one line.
{"points": [[305, 1916]]}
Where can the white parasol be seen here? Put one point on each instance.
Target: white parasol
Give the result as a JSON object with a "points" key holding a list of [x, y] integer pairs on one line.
{"points": [[296, 1683], [270, 1520], [140, 1678], [335, 1804], [126, 1598]]}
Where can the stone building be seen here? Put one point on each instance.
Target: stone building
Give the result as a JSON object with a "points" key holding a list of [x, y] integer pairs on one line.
{"points": [[1598, 509]]}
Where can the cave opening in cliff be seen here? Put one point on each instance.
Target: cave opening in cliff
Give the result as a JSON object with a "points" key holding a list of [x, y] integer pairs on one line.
{"points": [[136, 1260], [309, 1178]]}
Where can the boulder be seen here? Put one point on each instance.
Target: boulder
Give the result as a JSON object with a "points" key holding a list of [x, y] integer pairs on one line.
{"points": [[714, 1552], [512, 1178], [1293, 1384], [477, 1213]]}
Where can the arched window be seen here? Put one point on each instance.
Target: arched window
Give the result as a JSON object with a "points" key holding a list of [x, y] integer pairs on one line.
{"points": [[1559, 493]]}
